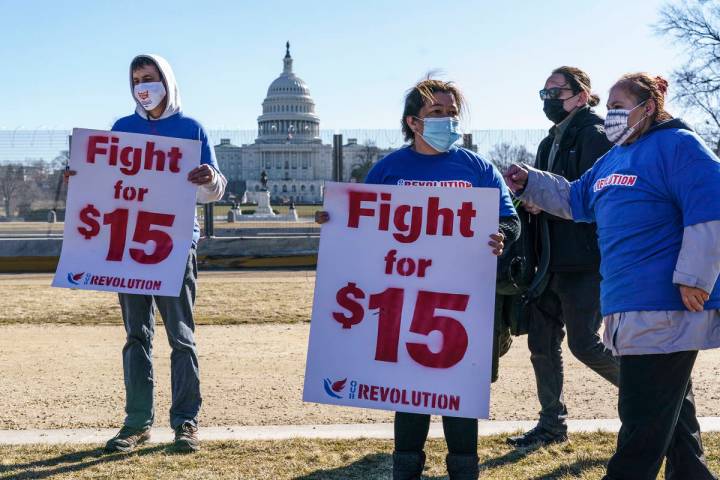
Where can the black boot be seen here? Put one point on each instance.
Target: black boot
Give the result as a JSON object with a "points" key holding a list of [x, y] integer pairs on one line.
{"points": [[408, 465], [462, 467]]}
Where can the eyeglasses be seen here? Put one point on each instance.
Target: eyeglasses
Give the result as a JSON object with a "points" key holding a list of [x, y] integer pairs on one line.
{"points": [[552, 93]]}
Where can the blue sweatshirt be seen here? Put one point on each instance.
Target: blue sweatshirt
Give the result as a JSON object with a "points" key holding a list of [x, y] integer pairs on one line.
{"points": [[642, 196], [458, 168]]}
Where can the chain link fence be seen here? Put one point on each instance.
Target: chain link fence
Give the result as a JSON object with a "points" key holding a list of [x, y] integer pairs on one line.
{"points": [[43, 153]]}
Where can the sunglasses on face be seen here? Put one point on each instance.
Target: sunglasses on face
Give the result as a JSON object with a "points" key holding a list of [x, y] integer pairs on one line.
{"points": [[552, 93]]}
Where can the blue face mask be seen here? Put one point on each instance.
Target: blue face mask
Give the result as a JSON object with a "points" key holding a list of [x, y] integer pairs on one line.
{"points": [[440, 133]]}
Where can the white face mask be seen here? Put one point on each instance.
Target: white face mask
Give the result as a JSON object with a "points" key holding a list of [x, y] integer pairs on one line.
{"points": [[149, 94], [616, 127]]}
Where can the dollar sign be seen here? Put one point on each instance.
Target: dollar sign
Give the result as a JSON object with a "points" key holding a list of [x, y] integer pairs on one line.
{"points": [[353, 306], [86, 216]]}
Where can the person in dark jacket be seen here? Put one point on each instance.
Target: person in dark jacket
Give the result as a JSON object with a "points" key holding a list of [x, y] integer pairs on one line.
{"points": [[571, 300]]}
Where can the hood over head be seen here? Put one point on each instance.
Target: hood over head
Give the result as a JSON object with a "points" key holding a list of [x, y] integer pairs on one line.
{"points": [[173, 93]]}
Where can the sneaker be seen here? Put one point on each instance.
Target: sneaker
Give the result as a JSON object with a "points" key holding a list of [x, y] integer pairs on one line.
{"points": [[127, 439], [537, 437], [186, 439]]}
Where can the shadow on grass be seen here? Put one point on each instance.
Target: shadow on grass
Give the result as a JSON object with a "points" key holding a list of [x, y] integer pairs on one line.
{"points": [[576, 468], [513, 456], [69, 463], [378, 465]]}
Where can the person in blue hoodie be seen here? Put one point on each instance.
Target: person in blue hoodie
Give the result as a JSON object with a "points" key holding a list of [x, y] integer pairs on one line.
{"points": [[654, 197], [158, 112], [430, 124]]}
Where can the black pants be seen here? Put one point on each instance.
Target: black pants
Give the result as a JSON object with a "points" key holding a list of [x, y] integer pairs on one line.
{"points": [[571, 301], [657, 410], [411, 431]]}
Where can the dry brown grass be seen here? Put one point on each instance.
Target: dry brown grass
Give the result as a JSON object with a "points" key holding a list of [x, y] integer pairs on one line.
{"points": [[583, 458], [226, 298]]}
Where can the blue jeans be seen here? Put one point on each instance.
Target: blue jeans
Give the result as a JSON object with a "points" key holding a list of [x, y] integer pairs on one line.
{"points": [[138, 312]]}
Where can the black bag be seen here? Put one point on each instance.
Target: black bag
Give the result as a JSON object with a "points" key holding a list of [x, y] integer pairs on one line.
{"points": [[522, 272]]}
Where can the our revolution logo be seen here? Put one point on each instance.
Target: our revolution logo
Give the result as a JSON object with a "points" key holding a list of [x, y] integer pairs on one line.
{"points": [[435, 183], [615, 179], [144, 95], [334, 389], [75, 278]]}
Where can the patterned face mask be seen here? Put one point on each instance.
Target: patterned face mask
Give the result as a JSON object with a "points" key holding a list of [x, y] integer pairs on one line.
{"points": [[616, 126], [149, 94]]}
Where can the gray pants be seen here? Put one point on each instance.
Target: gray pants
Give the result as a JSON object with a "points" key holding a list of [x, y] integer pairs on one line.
{"points": [[138, 312], [572, 301]]}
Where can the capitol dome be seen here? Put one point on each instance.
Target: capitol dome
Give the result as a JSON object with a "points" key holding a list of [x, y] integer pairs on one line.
{"points": [[288, 110]]}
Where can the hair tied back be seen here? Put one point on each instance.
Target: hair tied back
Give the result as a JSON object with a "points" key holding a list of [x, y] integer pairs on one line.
{"points": [[662, 84]]}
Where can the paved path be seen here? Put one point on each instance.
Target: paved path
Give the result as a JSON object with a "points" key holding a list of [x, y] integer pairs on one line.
{"points": [[282, 432]]}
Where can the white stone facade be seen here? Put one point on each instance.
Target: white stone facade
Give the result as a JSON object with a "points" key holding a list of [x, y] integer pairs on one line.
{"points": [[288, 147]]}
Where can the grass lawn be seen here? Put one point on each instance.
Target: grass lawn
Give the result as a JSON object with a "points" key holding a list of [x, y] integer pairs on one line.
{"points": [[583, 458], [223, 298]]}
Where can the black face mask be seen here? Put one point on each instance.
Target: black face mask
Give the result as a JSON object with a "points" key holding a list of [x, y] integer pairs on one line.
{"points": [[554, 110]]}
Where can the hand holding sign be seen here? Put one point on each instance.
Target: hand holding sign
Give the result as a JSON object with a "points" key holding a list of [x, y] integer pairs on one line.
{"points": [[130, 212], [403, 310]]}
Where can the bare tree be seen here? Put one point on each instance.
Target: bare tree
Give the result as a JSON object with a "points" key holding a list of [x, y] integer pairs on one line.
{"points": [[12, 186], [367, 158], [503, 155], [695, 24]]}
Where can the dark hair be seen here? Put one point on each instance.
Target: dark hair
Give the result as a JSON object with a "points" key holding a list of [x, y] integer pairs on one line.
{"points": [[422, 93], [579, 82], [644, 87], [140, 62]]}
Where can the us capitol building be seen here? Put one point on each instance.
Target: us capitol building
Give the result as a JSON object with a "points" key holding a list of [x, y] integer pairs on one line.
{"points": [[288, 147]]}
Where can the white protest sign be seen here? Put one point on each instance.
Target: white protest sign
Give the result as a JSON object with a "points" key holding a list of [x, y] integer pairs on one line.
{"points": [[404, 300], [130, 213]]}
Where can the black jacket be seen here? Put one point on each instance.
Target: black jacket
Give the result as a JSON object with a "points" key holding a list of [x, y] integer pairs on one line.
{"points": [[573, 246]]}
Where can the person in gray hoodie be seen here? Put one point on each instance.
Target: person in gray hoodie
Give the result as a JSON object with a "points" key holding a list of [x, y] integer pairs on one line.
{"points": [[158, 111]]}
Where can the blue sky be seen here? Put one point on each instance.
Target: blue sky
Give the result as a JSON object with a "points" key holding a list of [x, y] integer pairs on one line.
{"points": [[65, 63]]}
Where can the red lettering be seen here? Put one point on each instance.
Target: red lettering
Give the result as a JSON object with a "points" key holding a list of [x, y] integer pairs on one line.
{"points": [[454, 403], [130, 166], [355, 209], [433, 216], [413, 228], [93, 147], [455, 339], [363, 392], [374, 393], [394, 395], [174, 155], [466, 214], [423, 264], [131, 158], [151, 154]]}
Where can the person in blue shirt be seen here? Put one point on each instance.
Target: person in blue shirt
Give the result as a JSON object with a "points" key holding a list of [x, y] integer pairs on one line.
{"points": [[654, 198], [430, 124], [158, 112]]}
